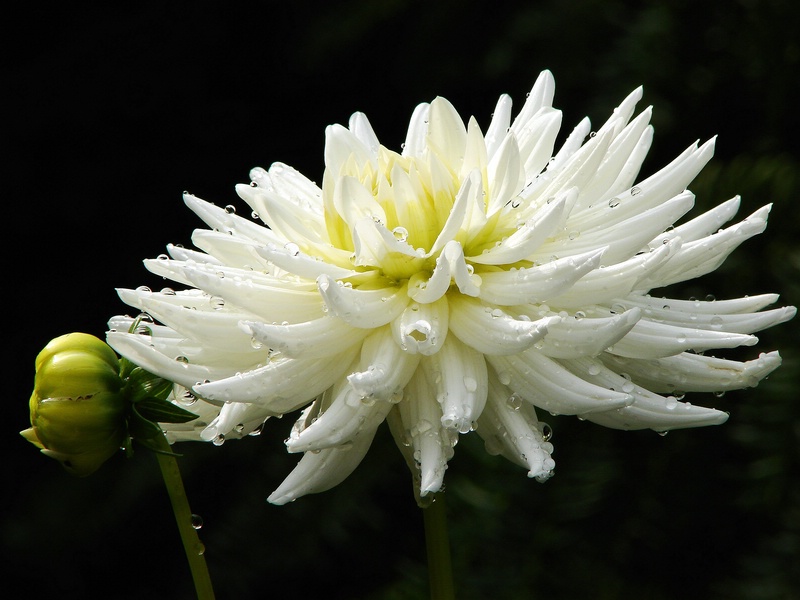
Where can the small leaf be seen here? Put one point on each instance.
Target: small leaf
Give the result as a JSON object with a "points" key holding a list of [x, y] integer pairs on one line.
{"points": [[140, 428], [162, 411]]}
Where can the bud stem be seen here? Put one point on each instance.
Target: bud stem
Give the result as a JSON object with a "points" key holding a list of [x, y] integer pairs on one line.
{"points": [[183, 515]]}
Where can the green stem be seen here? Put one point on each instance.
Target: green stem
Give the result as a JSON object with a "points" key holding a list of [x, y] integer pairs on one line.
{"points": [[183, 515], [437, 542]]}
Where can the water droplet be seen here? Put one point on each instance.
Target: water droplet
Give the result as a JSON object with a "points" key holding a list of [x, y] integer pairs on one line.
{"points": [[219, 440], [719, 394], [547, 431], [230, 209], [255, 215], [716, 322], [257, 431], [636, 190], [216, 302], [182, 359], [614, 202], [671, 402], [400, 234], [662, 433], [470, 383], [711, 298], [504, 377], [594, 369], [292, 248], [514, 402], [580, 315], [679, 395], [197, 521]]}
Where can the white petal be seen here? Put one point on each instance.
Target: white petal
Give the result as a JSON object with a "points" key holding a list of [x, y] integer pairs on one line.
{"points": [[422, 328], [648, 410], [539, 283], [345, 417], [268, 298], [421, 418], [706, 254], [283, 385], [649, 339], [548, 385], [523, 242], [492, 331], [290, 259], [501, 120], [573, 337], [320, 471], [506, 176], [143, 352], [509, 426], [384, 368], [361, 128], [446, 133], [695, 372], [363, 308], [458, 376], [311, 339]]}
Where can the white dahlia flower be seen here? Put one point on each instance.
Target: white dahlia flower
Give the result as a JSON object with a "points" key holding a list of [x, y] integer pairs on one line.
{"points": [[466, 283]]}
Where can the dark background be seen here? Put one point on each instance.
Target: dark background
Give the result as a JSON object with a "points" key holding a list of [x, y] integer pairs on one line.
{"points": [[110, 113]]}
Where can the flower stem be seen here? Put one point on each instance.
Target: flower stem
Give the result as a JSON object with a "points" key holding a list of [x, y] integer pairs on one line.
{"points": [[183, 515], [437, 542]]}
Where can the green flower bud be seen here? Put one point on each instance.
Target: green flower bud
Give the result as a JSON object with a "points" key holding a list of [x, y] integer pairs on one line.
{"points": [[78, 412]]}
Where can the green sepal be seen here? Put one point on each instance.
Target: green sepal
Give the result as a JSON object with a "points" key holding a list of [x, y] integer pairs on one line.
{"points": [[162, 411], [143, 384], [141, 429]]}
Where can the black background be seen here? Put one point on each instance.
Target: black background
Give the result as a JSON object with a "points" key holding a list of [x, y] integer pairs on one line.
{"points": [[110, 113]]}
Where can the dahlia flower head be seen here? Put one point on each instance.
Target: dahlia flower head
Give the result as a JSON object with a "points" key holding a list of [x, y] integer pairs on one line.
{"points": [[471, 282]]}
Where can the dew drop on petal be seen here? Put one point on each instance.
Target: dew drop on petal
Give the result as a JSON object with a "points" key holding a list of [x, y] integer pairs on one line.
{"points": [[230, 209], [217, 302], [292, 248], [514, 402], [197, 521], [218, 440], [400, 234], [614, 202], [470, 383]]}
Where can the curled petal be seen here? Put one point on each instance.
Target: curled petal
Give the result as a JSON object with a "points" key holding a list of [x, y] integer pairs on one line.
{"points": [[573, 337], [458, 375], [384, 369], [510, 427], [648, 410], [539, 283], [422, 328], [322, 470], [523, 242], [694, 372], [312, 339], [706, 254], [547, 384], [491, 330], [150, 355], [282, 385], [347, 415], [649, 339], [362, 308], [430, 443]]}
